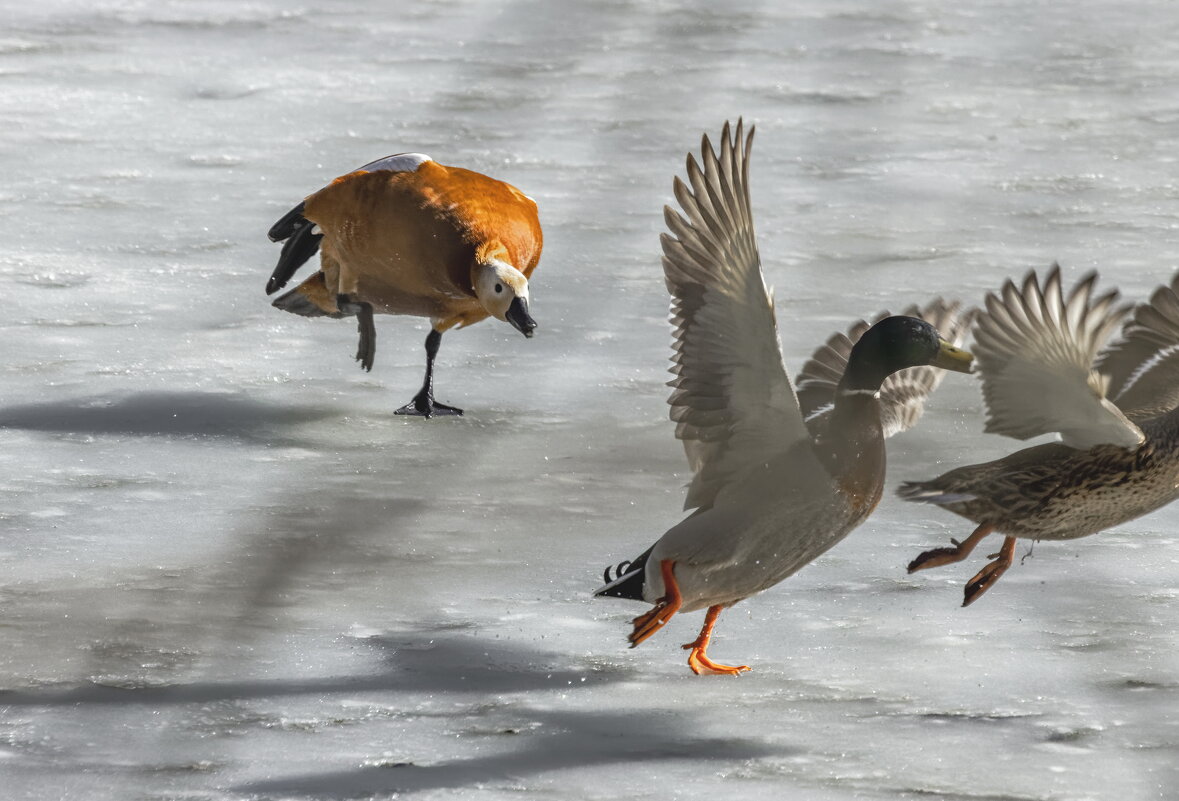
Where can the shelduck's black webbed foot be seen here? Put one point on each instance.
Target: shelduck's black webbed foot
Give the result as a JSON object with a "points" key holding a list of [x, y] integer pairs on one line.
{"points": [[366, 348], [424, 405], [937, 557]]}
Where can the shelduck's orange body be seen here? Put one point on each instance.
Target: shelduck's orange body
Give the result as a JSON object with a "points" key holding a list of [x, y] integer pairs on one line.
{"points": [[406, 235]]}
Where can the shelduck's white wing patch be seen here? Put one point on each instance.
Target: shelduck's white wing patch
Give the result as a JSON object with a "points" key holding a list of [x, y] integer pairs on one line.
{"points": [[732, 401], [1035, 351], [399, 162]]}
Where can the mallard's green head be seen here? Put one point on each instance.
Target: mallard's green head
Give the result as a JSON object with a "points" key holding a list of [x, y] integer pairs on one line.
{"points": [[895, 343]]}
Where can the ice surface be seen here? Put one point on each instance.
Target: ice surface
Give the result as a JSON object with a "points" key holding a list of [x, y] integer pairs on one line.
{"points": [[230, 572]]}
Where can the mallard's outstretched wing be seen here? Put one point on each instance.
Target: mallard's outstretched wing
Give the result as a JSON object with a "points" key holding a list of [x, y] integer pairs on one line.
{"points": [[903, 394], [1035, 351], [1143, 367], [732, 401]]}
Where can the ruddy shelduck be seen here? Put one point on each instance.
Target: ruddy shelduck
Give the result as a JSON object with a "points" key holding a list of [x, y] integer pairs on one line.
{"points": [[407, 235], [780, 476]]}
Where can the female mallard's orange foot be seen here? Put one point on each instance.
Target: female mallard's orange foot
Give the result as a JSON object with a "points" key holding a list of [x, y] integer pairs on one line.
{"points": [[986, 578], [936, 557], [702, 665], [946, 556], [665, 607]]}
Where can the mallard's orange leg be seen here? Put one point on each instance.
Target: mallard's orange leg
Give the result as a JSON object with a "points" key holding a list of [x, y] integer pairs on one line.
{"points": [[698, 660], [665, 607], [985, 578], [946, 556]]}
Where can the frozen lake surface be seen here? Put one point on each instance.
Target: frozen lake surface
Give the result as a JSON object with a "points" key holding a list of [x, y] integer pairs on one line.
{"points": [[229, 572]]}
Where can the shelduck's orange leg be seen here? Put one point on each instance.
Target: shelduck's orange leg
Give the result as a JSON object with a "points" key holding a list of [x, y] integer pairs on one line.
{"points": [[665, 607], [698, 660], [946, 556], [984, 579]]}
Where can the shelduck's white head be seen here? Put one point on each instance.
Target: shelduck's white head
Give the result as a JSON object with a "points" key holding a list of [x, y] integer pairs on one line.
{"points": [[503, 291]]}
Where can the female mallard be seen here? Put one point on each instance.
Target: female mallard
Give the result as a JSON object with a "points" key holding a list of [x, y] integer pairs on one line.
{"points": [[1041, 373], [777, 482]]}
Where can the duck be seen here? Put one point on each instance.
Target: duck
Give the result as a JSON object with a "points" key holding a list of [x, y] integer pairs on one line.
{"points": [[779, 475], [407, 235], [1045, 370]]}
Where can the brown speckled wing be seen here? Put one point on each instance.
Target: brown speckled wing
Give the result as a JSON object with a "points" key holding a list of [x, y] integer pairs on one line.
{"points": [[1035, 349]]}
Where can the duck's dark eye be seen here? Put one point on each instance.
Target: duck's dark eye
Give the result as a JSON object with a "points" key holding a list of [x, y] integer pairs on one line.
{"points": [[499, 288]]}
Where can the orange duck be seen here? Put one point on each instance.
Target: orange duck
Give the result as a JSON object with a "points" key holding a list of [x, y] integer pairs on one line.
{"points": [[407, 235]]}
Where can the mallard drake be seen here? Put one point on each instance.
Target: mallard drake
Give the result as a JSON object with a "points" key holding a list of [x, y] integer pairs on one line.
{"points": [[779, 477], [1043, 371], [407, 235]]}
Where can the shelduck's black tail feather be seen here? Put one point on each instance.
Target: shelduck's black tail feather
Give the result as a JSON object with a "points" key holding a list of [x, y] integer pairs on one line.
{"points": [[628, 578], [288, 224], [300, 242]]}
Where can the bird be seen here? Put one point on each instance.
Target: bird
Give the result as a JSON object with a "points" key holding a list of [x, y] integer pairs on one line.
{"points": [[1043, 371], [407, 235], [779, 476]]}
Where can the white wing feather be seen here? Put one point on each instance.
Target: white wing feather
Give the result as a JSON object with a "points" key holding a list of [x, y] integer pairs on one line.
{"points": [[1035, 351], [732, 401], [399, 162], [903, 394], [1143, 366]]}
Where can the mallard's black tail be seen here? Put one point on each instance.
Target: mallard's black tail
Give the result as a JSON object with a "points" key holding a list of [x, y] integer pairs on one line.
{"points": [[300, 243], [629, 578]]}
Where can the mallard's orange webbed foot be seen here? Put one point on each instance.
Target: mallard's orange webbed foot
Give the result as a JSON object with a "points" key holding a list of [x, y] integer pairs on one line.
{"points": [[698, 660], [702, 665], [665, 607], [986, 578], [938, 557], [651, 622]]}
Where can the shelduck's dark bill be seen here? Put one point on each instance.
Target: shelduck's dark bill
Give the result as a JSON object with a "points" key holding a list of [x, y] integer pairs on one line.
{"points": [[952, 358], [518, 316]]}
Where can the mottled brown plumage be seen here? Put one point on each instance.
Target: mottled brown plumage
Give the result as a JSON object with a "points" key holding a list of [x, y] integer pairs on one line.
{"points": [[1058, 491]]}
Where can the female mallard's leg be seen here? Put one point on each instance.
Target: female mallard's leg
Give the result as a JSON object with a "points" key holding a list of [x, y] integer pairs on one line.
{"points": [[665, 607], [945, 556], [985, 578], [698, 660], [423, 404]]}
